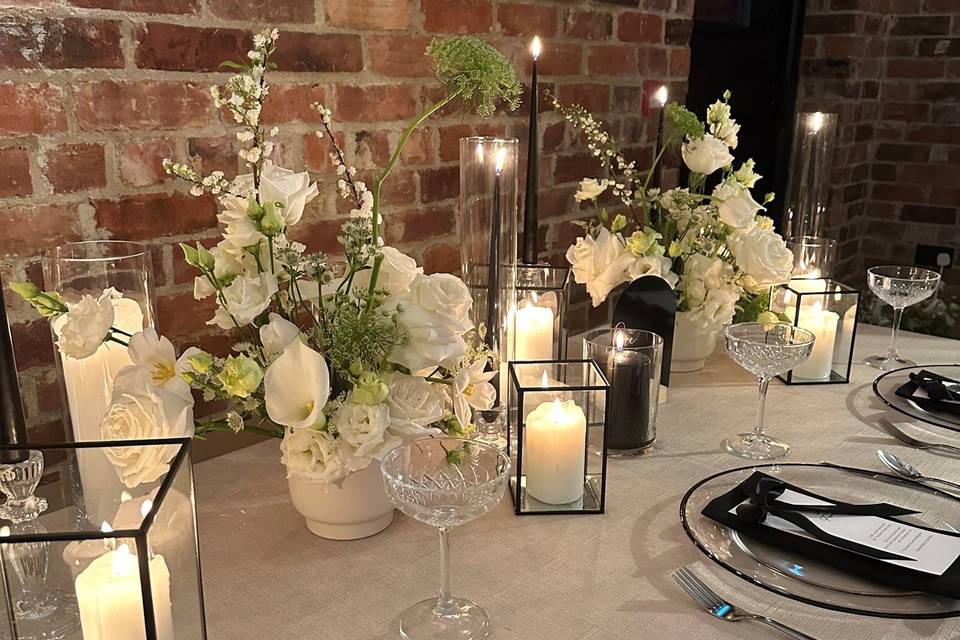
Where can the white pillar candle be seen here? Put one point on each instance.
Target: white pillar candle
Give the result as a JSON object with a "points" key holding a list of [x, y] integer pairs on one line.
{"points": [[554, 452], [804, 285], [823, 325], [109, 600], [534, 327]]}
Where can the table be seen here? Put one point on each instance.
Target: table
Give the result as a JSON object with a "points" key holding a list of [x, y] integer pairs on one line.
{"points": [[586, 577]]}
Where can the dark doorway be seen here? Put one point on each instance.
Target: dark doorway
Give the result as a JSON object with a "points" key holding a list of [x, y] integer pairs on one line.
{"points": [[751, 48]]}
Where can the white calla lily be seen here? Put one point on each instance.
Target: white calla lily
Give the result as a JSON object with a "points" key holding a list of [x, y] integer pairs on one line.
{"points": [[297, 387]]}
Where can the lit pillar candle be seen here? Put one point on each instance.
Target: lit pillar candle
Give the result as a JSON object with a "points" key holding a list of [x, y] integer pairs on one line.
{"points": [[823, 325], [554, 452], [109, 600], [534, 329]]}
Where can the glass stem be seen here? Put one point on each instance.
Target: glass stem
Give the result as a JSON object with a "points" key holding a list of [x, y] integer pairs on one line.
{"points": [[892, 349], [445, 601], [764, 383]]}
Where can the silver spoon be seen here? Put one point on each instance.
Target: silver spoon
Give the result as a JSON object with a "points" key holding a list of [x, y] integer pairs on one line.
{"points": [[906, 470]]}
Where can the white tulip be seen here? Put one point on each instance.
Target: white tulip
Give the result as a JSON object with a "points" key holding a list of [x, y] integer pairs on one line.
{"points": [[296, 387], [155, 358]]}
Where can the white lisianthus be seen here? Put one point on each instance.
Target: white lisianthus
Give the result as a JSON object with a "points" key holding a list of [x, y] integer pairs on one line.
{"points": [[229, 260], [244, 299], [362, 430], [435, 338], [736, 206], [292, 190], [702, 274], [86, 325], [312, 455], [472, 389], [443, 293], [415, 404], [600, 263], [658, 266], [746, 176], [277, 334], [296, 387], [397, 272], [142, 411], [590, 189], [155, 358], [240, 231], [763, 255], [202, 288], [722, 126], [717, 308], [705, 155]]}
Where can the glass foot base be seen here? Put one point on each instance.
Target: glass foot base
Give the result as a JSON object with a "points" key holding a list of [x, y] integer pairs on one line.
{"points": [[462, 620], [18, 511], [889, 364], [47, 616], [754, 447]]}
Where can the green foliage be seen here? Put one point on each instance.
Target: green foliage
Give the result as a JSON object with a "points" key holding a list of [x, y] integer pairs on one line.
{"points": [[751, 306], [47, 303], [476, 71], [680, 123]]}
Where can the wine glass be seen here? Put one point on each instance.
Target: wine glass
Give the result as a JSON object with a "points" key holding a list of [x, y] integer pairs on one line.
{"points": [[445, 482], [765, 350], [899, 287]]}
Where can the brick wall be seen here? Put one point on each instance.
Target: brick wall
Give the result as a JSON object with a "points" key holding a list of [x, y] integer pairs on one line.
{"points": [[891, 69], [93, 93]]}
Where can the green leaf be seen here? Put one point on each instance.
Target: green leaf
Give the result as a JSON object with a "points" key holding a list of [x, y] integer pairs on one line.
{"points": [[26, 290], [190, 255], [234, 65]]}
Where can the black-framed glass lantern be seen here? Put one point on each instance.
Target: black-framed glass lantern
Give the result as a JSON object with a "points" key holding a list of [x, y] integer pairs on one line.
{"points": [[830, 310], [556, 436], [134, 577], [538, 323]]}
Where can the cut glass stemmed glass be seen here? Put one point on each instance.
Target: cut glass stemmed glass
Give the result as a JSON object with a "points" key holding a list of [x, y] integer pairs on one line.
{"points": [[900, 287], [445, 482], [765, 350]]}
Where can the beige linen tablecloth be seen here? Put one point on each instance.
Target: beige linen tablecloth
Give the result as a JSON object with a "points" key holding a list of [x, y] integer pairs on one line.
{"points": [[550, 577]]}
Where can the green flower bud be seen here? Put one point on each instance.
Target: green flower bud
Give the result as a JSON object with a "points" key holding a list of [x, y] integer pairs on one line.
{"points": [[201, 362], [190, 255], [641, 242], [356, 368], [241, 376], [619, 223], [768, 317], [271, 223], [674, 249], [369, 389], [254, 210]]}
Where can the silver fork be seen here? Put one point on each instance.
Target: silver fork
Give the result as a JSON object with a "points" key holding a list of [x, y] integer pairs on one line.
{"points": [[910, 441], [720, 608]]}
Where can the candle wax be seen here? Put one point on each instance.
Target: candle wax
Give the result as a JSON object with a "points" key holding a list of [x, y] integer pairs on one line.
{"points": [[554, 453]]}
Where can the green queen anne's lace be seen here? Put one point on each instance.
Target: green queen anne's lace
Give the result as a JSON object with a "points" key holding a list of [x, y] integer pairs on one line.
{"points": [[477, 72]]}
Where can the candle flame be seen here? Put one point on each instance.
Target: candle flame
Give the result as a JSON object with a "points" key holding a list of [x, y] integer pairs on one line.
{"points": [[501, 156], [815, 121], [618, 340], [105, 527], [817, 306], [125, 497], [661, 95], [4, 531], [480, 152], [122, 561], [146, 507], [544, 381], [556, 410], [535, 47]]}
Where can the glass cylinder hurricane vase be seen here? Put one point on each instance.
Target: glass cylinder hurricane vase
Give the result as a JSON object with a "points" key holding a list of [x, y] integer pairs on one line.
{"points": [[488, 250], [808, 185], [123, 272], [537, 326]]}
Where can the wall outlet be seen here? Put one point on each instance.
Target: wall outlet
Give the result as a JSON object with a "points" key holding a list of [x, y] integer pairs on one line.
{"points": [[933, 257]]}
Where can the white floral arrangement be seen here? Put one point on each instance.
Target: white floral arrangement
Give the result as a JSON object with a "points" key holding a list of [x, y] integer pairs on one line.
{"points": [[716, 249], [341, 364]]}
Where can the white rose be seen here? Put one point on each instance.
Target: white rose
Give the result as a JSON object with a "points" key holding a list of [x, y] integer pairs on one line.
{"points": [[718, 307], [138, 412], [244, 299], [414, 404], [653, 266], [599, 263], [444, 293], [736, 206], [362, 431], [277, 334], [705, 155], [296, 387], [590, 189], [312, 455], [763, 255], [397, 272], [292, 190], [435, 338], [86, 324]]}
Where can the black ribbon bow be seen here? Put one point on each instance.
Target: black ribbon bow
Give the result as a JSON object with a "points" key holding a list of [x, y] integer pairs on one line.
{"points": [[763, 502], [940, 397]]}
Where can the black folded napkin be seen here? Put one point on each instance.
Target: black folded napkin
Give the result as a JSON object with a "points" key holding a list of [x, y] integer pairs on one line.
{"points": [[939, 396], [746, 507]]}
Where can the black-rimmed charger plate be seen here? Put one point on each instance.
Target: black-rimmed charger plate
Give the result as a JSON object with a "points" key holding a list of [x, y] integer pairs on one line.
{"points": [[886, 385], [807, 580]]}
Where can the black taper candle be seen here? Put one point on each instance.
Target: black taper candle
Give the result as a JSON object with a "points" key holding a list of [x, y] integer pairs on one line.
{"points": [[661, 97], [493, 268], [13, 427], [531, 224]]}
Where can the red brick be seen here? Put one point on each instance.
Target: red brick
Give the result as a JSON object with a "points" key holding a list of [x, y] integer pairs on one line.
{"points": [[145, 6], [921, 25], [400, 188], [593, 97], [833, 23], [527, 20], [640, 27], [678, 32], [400, 56], [439, 184], [939, 91], [612, 60], [419, 148], [450, 140], [588, 25], [215, 154], [652, 62], [559, 59], [418, 224], [573, 167], [316, 151], [260, 11], [29, 42], [33, 343], [140, 161], [31, 108], [383, 14], [442, 258], [181, 315], [172, 47], [375, 103], [909, 68], [151, 215], [457, 16], [299, 51], [909, 111], [48, 225], [935, 215], [291, 103], [319, 236], [109, 105], [15, 172], [680, 62], [74, 167], [928, 174]]}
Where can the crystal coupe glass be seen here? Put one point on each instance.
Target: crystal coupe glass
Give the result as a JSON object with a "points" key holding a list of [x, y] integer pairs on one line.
{"points": [[765, 350], [445, 482], [899, 287]]}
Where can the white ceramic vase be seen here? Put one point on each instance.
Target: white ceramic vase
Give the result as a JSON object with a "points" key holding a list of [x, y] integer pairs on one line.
{"points": [[358, 508], [691, 344]]}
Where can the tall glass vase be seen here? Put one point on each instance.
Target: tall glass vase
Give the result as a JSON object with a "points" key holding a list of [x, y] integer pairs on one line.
{"points": [[488, 253], [123, 271], [808, 186]]}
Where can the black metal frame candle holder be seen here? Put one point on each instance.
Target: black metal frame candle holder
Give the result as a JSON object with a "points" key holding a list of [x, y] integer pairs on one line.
{"points": [[831, 310], [556, 469], [544, 287]]}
